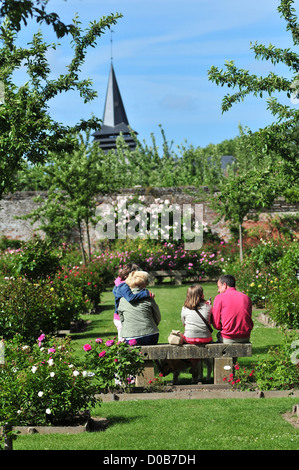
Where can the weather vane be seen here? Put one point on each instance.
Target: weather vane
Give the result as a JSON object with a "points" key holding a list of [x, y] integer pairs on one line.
{"points": [[111, 44]]}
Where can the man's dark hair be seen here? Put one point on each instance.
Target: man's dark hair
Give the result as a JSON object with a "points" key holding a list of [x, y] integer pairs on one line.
{"points": [[228, 279]]}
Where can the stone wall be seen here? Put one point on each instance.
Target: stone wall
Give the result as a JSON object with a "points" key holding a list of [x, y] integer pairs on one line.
{"points": [[22, 203]]}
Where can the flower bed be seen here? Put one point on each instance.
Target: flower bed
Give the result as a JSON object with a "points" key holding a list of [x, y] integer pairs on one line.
{"points": [[41, 385]]}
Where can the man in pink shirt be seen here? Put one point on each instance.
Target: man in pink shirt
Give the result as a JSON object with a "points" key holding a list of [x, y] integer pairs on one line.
{"points": [[231, 312]]}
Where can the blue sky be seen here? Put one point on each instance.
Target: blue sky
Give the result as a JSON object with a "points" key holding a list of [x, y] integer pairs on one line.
{"points": [[162, 50]]}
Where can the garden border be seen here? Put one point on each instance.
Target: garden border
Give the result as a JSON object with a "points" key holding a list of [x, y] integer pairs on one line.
{"points": [[92, 425], [198, 392]]}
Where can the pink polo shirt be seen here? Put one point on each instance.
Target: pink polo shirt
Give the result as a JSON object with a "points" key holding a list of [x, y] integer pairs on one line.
{"points": [[232, 314]]}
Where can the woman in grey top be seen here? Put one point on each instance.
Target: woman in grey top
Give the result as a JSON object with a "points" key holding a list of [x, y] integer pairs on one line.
{"points": [[140, 319], [196, 330]]}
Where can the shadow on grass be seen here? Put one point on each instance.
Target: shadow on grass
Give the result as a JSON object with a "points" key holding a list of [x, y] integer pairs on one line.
{"points": [[103, 307], [95, 329], [115, 419]]}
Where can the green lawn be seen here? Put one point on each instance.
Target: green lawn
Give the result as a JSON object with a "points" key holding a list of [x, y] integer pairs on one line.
{"points": [[209, 424], [170, 424]]}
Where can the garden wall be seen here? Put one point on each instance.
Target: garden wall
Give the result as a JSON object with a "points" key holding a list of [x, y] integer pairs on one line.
{"points": [[22, 203]]}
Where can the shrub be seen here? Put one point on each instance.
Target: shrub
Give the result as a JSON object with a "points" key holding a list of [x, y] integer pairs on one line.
{"points": [[165, 257], [88, 280], [41, 385], [283, 298], [115, 363], [7, 243], [42, 307], [241, 378], [280, 370], [268, 276], [37, 260]]}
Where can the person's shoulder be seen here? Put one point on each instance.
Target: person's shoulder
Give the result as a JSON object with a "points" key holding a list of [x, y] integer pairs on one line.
{"points": [[123, 286], [205, 306], [218, 297], [186, 309]]}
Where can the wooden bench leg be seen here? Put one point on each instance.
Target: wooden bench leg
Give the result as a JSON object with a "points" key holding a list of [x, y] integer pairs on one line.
{"points": [[223, 366], [178, 279], [148, 374]]}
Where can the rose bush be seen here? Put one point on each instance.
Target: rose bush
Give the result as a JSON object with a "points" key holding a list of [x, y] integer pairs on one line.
{"points": [[279, 371], [32, 308], [113, 363], [41, 385], [268, 276]]}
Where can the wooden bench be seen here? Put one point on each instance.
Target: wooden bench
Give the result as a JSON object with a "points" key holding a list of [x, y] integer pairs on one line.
{"points": [[178, 276], [222, 354]]}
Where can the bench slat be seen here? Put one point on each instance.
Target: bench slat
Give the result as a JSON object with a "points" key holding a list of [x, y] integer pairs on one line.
{"points": [[191, 351]]}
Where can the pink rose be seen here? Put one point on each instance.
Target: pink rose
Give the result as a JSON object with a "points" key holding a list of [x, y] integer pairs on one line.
{"points": [[102, 354], [87, 347], [41, 337], [99, 340], [51, 350], [132, 342], [110, 342]]}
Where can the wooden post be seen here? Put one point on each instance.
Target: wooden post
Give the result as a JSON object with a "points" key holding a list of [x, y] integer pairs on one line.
{"points": [[223, 366], [7, 428], [147, 374]]}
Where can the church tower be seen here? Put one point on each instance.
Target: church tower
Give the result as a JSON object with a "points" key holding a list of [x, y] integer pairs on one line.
{"points": [[115, 119]]}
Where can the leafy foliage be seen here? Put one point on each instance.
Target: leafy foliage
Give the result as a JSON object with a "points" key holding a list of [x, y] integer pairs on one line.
{"points": [[272, 151], [280, 371], [19, 12], [268, 276], [31, 308], [36, 260], [114, 364], [41, 385], [27, 129]]}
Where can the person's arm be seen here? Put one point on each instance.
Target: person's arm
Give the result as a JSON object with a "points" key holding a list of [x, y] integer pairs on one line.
{"points": [[216, 314], [120, 312], [126, 292], [156, 312], [183, 317]]}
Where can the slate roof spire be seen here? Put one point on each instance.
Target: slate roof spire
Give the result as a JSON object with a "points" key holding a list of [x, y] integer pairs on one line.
{"points": [[115, 119]]}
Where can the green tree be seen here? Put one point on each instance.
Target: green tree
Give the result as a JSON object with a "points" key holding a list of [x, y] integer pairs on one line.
{"points": [[236, 193], [73, 183], [19, 13], [280, 139], [27, 129]]}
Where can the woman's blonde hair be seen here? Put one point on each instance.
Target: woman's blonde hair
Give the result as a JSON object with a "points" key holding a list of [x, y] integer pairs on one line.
{"points": [[137, 278], [194, 296]]}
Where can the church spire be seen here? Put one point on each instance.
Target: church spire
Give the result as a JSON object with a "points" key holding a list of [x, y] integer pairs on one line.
{"points": [[115, 119], [114, 111]]}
